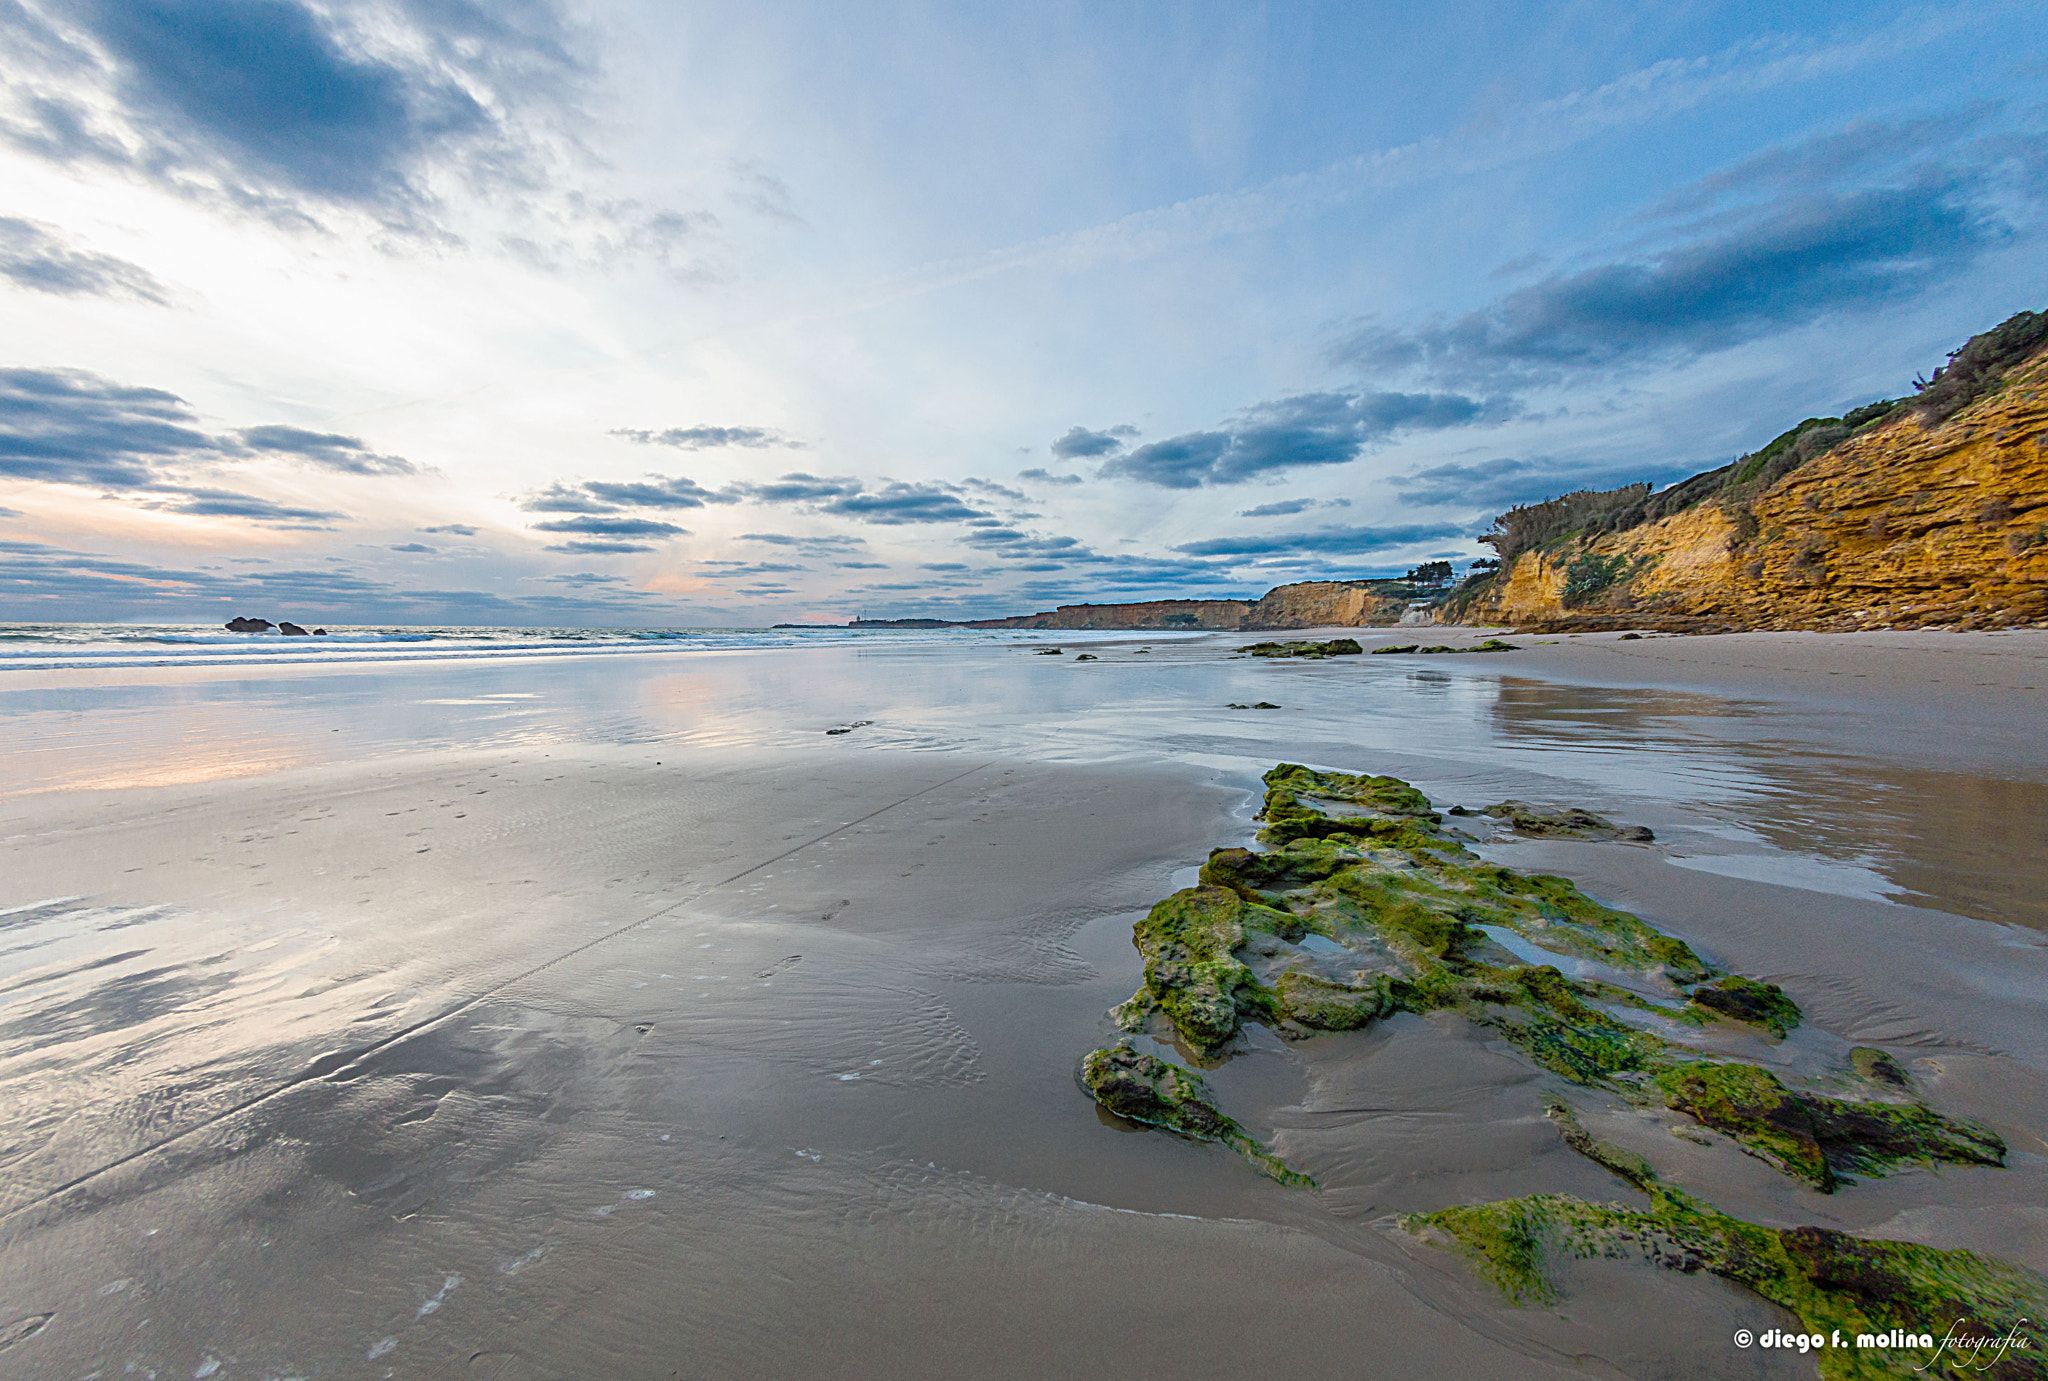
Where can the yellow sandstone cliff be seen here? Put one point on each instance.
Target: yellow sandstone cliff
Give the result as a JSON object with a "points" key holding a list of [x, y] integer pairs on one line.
{"points": [[1902, 525]]}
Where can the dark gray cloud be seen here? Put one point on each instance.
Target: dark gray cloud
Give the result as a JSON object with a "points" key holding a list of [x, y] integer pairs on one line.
{"points": [[897, 503], [1014, 545], [226, 503], [347, 455], [581, 578], [725, 570], [798, 487], [1081, 444], [1325, 541], [944, 566], [1309, 429], [452, 529], [1859, 149], [12, 513], [702, 438], [1495, 485], [861, 565], [1045, 476], [598, 546], [37, 256], [1287, 507], [825, 545], [67, 426], [1784, 264], [421, 547], [599, 525], [270, 102], [656, 491], [565, 498], [71, 427]]}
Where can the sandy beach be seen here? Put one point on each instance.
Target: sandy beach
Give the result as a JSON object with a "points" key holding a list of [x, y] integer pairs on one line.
{"points": [[611, 1018]]}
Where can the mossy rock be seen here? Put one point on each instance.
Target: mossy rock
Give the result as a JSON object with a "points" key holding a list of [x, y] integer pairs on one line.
{"points": [[1849, 1289], [1363, 860], [1190, 968], [1144, 1088], [1819, 1139], [1326, 1005], [1747, 1000], [1570, 823]]}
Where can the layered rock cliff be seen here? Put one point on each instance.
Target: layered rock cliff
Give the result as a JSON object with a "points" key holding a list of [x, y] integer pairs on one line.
{"points": [[1915, 519]]}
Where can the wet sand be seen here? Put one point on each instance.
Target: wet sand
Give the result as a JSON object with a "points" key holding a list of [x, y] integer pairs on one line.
{"points": [[371, 1043]]}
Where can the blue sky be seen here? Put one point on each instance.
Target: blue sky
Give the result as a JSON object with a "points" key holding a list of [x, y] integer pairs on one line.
{"points": [[438, 311]]}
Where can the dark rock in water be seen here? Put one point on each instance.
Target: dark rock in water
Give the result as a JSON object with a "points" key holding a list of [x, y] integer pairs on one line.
{"points": [[1265, 705], [1494, 645], [1085, 657], [1438, 648], [319, 632], [1048, 652], [292, 630], [1629, 638], [249, 625], [1747, 1000], [1404, 647], [849, 728], [1573, 823]]}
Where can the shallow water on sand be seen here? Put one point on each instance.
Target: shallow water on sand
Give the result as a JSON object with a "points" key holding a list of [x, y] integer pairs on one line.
{"points": [[547, 1019]]}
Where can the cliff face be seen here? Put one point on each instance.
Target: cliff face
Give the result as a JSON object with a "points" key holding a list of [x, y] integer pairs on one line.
{"points": [[1224, 614], [1901, 525], [1326, 604], [1311, 604]]}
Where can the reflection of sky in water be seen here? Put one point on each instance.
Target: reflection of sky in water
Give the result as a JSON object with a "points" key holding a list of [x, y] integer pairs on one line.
{"points": [[1746, 788]]}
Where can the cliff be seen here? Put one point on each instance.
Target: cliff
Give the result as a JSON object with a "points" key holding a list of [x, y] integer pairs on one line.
{"points": [[1330, 604], [1310, 604], [1926, 513], [1224, 614]]}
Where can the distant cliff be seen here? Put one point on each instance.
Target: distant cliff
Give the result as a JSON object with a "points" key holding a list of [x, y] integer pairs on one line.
{"points": [[1310, 604], [1930, 510]]}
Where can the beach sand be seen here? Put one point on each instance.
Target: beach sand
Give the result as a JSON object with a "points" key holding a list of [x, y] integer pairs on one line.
{"points": [[650, 1031]]}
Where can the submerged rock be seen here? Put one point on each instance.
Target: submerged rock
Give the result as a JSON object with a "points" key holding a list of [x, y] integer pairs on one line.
{"points": [[1335, 647], [1849, 1290], [1571, 823], [1144, 1088], [1086, 657], [1363, 905]]}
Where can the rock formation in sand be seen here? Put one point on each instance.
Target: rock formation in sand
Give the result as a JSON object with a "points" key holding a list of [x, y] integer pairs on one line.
{"points": [[1364, 906]]}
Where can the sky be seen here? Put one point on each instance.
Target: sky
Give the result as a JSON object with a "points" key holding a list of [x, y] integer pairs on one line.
{"points": [[680, 314]]}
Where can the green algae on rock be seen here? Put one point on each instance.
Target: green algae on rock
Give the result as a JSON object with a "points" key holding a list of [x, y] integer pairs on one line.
{"points": [[1571, 823], [1144, 1088], [1840, 1286], [1364, 906], [1335, 647], [1746, 1000]]}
